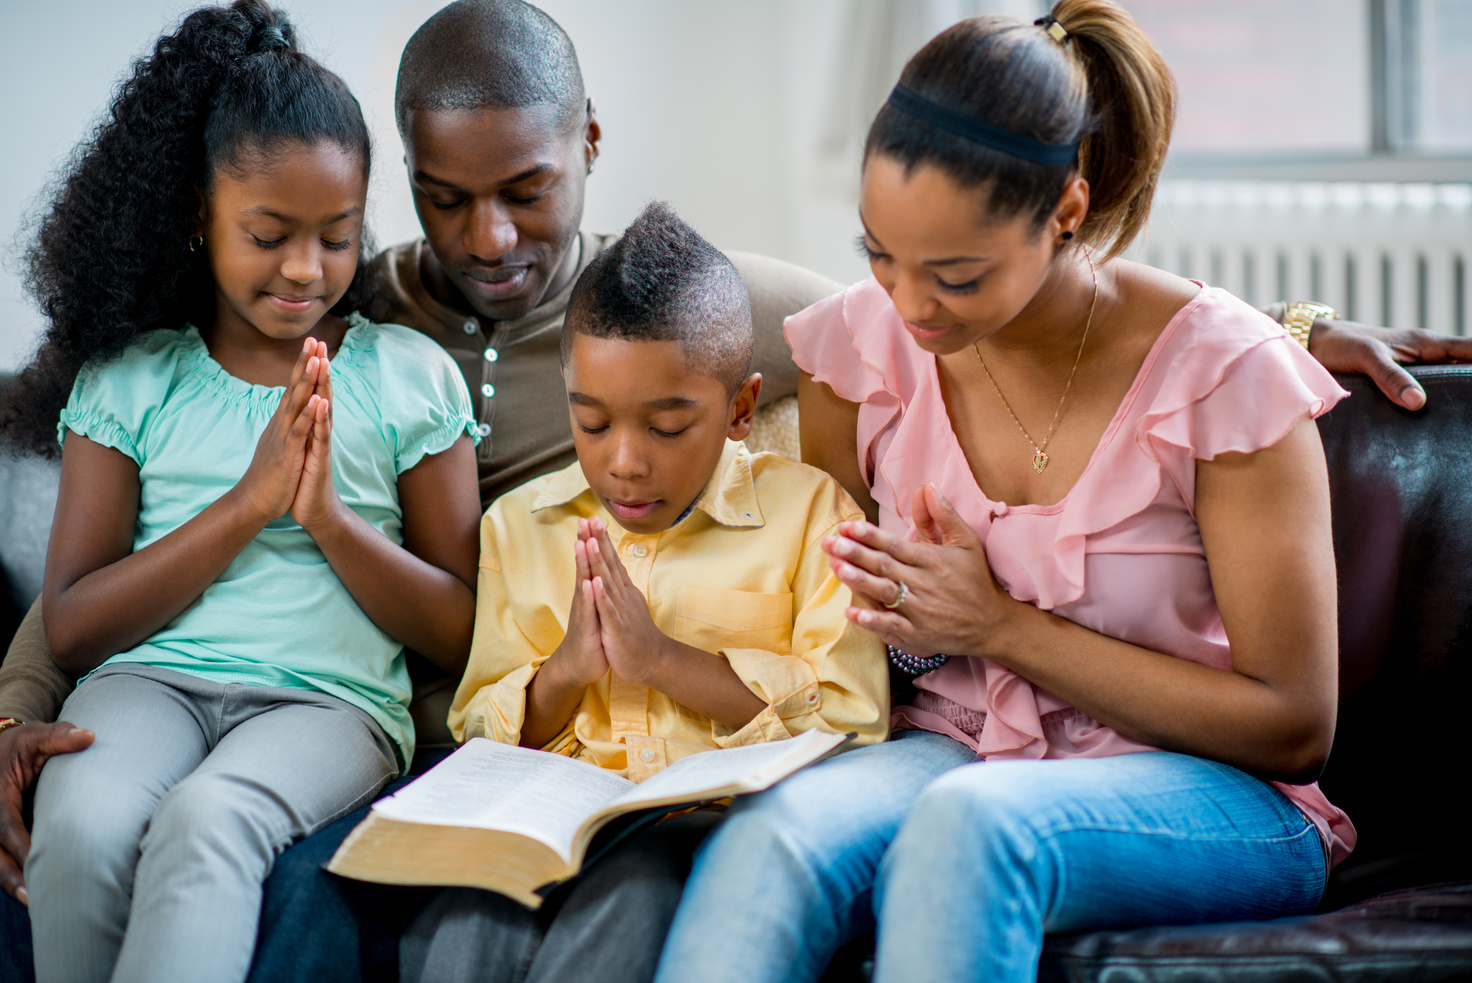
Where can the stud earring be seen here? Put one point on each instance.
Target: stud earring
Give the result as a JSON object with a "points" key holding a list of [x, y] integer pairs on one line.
{"points": [[590, 167], [1068, 235]]}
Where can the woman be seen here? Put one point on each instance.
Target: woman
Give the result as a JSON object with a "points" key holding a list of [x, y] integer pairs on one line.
{"points": [[1103, 545]]}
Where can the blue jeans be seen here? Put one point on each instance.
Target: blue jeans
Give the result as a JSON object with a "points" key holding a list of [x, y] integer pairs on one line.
{"points": [[967, 867]]}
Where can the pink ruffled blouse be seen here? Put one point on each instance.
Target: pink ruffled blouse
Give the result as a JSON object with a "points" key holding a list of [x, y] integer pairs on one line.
{"points": [[1121, 553]]}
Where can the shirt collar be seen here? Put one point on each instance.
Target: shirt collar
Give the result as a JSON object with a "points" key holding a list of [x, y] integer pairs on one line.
{"points": [[729, 497]]}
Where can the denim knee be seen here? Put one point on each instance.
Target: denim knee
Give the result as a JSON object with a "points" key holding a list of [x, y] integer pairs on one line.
{"points": [[991, 811]]}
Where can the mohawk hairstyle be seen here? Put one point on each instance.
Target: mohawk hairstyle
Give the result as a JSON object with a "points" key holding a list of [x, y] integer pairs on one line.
{"points": [[662, 282], [489, 54]]}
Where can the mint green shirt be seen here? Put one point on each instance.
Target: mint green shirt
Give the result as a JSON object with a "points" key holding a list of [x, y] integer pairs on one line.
{"points": [[278, 615]]}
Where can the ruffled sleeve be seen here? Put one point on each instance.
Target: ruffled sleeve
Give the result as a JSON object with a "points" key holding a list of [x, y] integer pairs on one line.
{"points": [[421, 394], [113, 402], [856, 344], [1237, 384]]}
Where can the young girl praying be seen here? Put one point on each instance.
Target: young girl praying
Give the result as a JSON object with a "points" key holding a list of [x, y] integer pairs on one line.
{"points": [[265, 497]]}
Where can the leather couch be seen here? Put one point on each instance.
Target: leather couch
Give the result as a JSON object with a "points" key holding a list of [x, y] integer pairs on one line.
{"points": [[1401, 907]]}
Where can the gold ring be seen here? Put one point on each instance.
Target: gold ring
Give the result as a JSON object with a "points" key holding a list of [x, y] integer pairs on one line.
{"points": [[904, 595]]}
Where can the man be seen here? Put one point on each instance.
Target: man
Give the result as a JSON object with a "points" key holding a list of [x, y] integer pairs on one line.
{"points": [[499, 140]]}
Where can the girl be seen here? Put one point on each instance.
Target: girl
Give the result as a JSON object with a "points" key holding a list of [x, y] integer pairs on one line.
{"points": [[1103, 546], [264, 499]]}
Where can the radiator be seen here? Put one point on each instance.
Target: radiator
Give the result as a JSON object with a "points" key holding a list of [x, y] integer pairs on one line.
{"points": [[1395, 254]]}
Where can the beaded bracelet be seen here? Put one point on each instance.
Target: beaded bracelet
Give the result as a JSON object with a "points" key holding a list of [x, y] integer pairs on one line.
{"points": [[916, 665]]}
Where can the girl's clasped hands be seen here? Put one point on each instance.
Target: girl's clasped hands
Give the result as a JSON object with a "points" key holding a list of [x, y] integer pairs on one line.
{"points": [[291, 470]]}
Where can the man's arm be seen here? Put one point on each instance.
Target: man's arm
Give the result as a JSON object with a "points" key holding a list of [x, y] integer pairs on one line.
{"points": [[1364, 349], [32, 689]]}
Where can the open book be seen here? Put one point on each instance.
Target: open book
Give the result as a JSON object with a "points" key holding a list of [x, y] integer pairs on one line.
{"points": [[517, 821]]}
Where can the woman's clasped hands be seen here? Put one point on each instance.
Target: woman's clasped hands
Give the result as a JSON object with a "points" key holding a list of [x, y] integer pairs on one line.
{"points": [[936, 594], [291, 470]]}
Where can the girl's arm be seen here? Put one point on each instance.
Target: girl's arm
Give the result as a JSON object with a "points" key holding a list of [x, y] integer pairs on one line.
{"points": [[423, 593], [1264, 520], [100, 597]]}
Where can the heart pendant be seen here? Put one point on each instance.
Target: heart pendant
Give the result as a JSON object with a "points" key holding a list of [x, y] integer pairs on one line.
{"points": [[1039, 462]]}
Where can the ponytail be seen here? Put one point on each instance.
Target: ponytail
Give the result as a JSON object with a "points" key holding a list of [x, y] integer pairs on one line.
{"points": [[111, 256], [1133, 97], [1085, 77]]}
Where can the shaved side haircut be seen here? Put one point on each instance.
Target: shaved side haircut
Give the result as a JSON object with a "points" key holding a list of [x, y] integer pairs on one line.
{"points": [[489, 54], [662, 282]]}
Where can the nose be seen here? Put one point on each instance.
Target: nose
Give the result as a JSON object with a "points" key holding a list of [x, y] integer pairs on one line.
{"points": [[490, 233], [627, 462], [302, 263], [912, 297]]}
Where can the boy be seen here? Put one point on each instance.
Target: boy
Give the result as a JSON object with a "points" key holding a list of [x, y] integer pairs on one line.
{"points": [[702, 612]]}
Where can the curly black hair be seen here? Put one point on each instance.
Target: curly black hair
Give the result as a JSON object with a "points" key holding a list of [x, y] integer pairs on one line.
{"points": [[111, 257]]}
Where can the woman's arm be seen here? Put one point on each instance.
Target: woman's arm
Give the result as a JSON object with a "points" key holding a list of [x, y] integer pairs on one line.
{"points": [[828, 426], [1264, 520], [423, 593]]}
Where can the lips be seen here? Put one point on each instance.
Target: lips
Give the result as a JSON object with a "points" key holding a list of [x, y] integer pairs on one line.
{"points": [[925, 332], [497, 283], [633, 511], [292, 304]]}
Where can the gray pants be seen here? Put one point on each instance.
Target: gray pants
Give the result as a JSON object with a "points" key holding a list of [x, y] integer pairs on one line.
{"points": [[607, 925], [150, 847]]}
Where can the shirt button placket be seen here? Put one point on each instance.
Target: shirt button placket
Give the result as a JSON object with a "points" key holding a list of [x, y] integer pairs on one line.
{"points": [[489, 356], [638, 556]]}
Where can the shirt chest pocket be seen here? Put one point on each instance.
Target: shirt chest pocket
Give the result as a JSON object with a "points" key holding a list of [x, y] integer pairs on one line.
{"points": [[713, 619]]}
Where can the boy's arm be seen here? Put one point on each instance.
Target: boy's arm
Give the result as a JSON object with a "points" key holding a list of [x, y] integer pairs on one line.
{"points": [[499, 694], [639, 652], [836, 676]]}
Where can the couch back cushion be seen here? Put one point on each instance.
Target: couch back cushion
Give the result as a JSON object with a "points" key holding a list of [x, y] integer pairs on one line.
{"points": [[1401, 489]]}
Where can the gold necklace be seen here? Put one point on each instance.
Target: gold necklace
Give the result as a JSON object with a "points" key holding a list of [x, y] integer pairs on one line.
{"points": [[1040, 451]]}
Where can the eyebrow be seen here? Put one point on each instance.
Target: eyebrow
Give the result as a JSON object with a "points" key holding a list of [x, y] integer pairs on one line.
{"points": [[668, 403], [424, 177], [263, 210], [948, 261]]}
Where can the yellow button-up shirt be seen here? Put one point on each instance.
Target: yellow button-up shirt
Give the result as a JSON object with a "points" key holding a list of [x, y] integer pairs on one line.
{"points": [[743, 576]]}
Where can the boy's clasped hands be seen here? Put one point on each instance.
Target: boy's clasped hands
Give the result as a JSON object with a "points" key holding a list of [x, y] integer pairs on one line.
{"points": [[608, 626], [291, 470]]}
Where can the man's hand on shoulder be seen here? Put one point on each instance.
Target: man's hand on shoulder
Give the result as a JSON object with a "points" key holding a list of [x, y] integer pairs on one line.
{"points": [[1346, 346], [23, 751]]}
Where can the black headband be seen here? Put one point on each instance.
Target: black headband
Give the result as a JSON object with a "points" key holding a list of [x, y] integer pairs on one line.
{"points": [[1016, 144]]}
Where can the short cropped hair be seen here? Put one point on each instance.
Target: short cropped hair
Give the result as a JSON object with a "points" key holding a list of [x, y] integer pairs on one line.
{"points": [[489, 54], [660, 281]]}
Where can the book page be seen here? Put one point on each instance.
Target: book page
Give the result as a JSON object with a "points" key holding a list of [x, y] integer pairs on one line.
{"points": [[752, 767], [489, 785]]}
